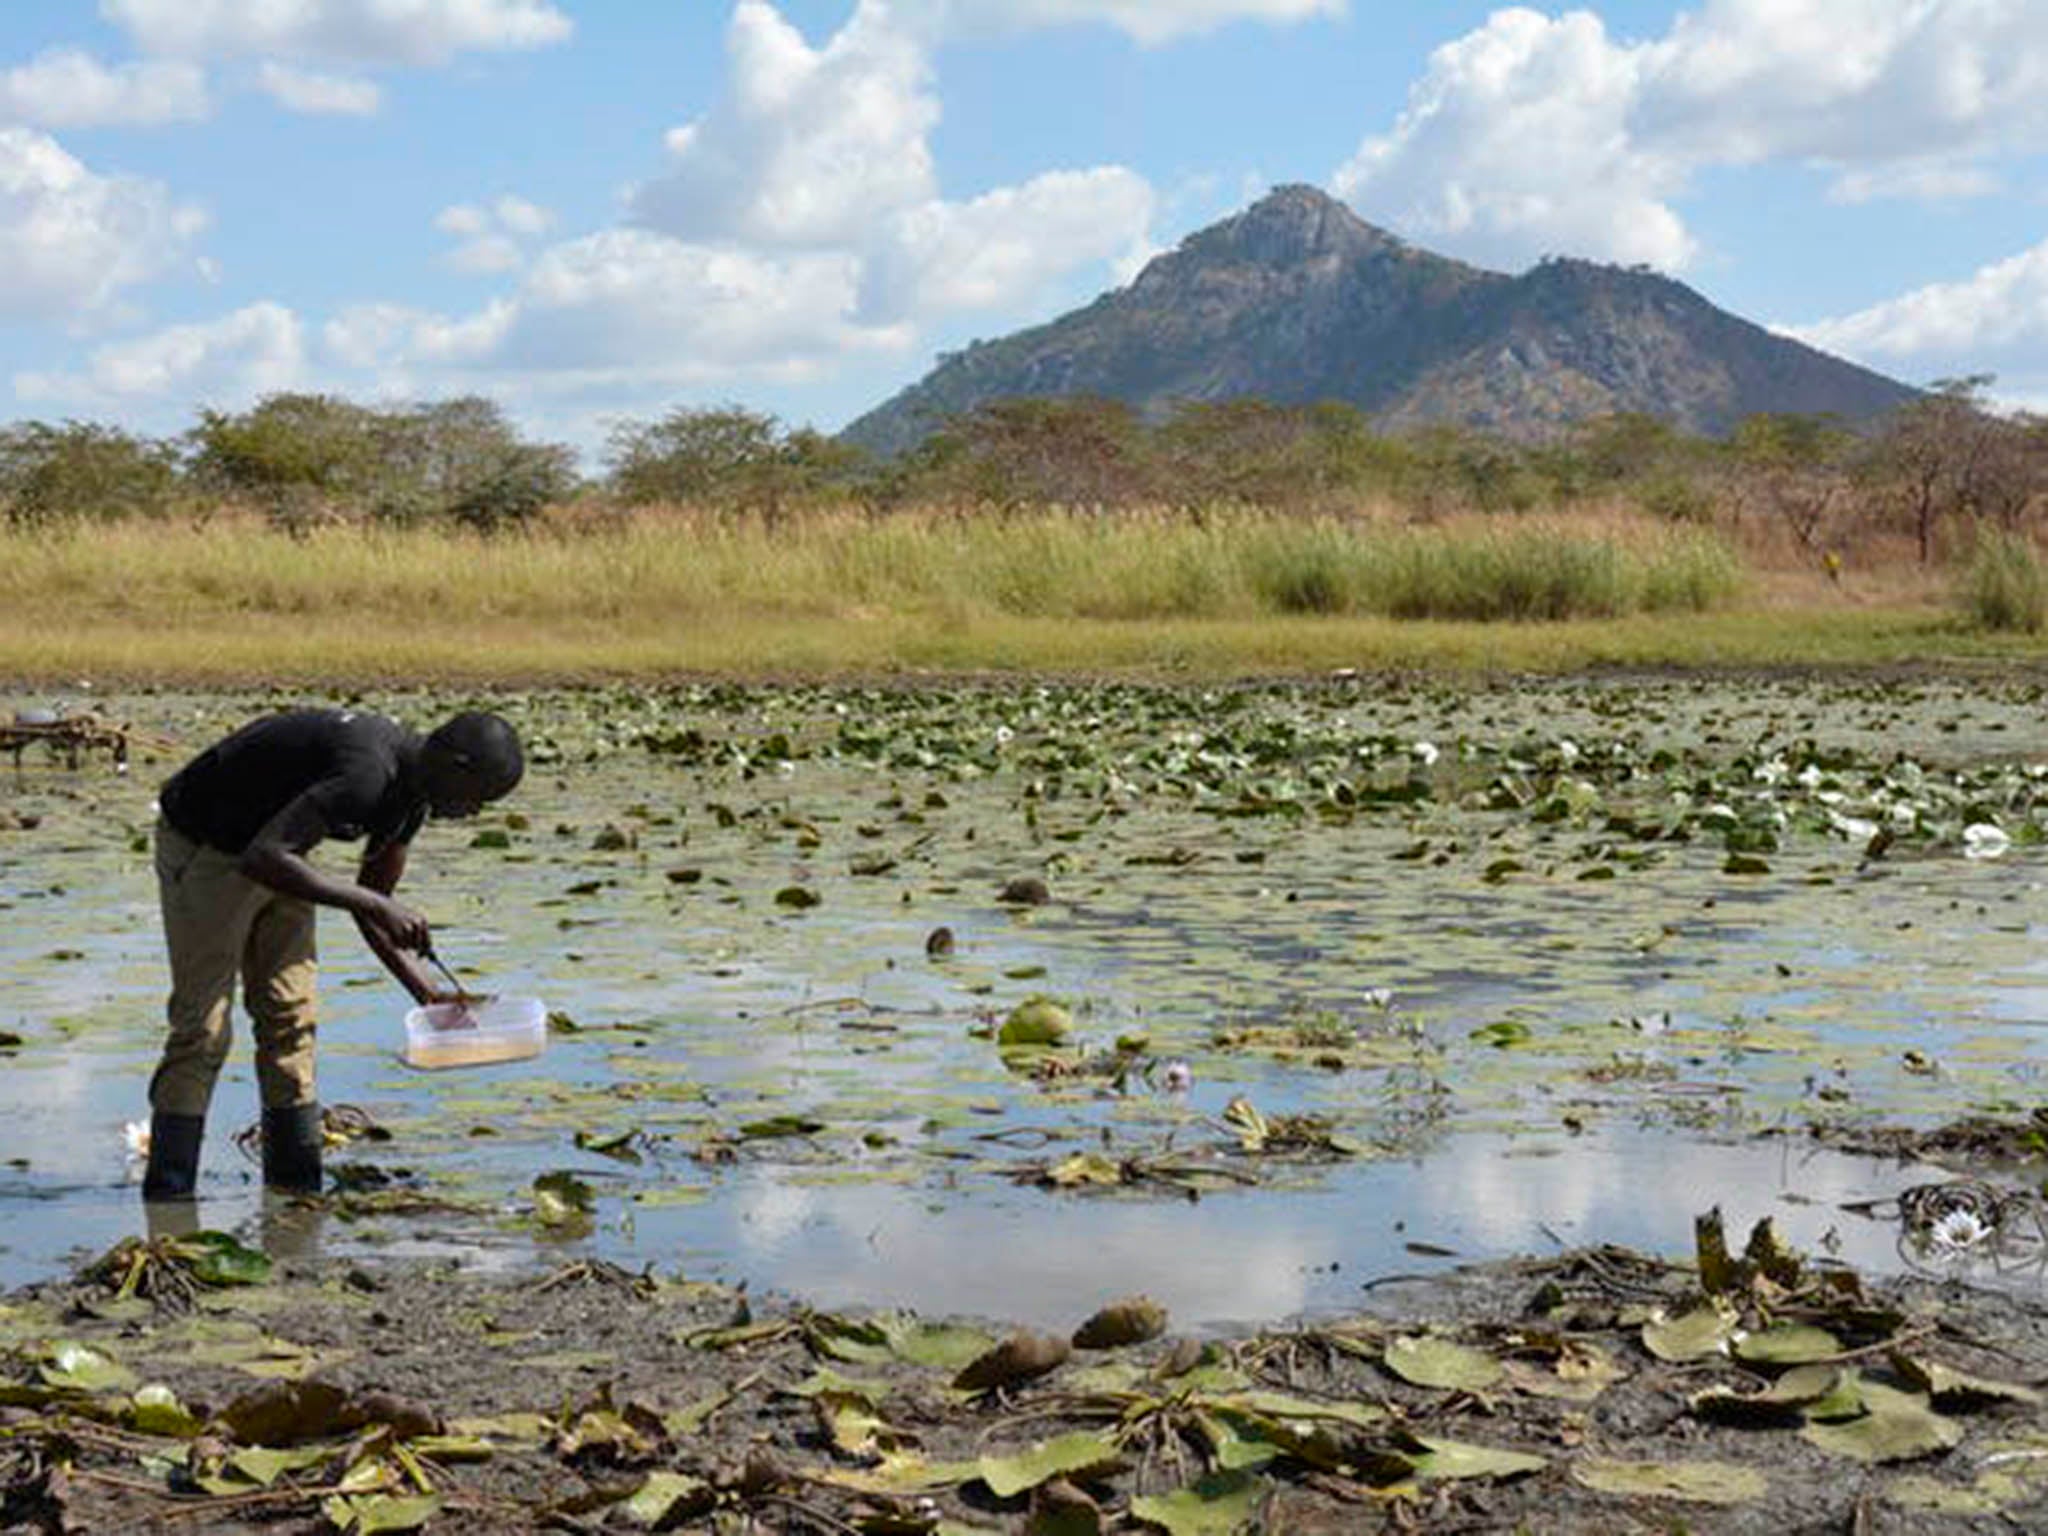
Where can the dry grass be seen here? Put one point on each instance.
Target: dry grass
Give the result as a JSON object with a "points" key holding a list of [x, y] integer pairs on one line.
{"points": [[836, 593]]}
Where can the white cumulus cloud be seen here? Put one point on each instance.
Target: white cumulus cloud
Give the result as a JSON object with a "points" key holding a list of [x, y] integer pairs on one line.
{"points": [[809, 144], [1994, 320], [1537, 133], [67, 88], [1921, 181], [354, 31], [826, 151], [70, 239], [1848, 82], [939, 257], [638, 299], [631, 303], [491, 233], [248, 353], [305, 90], [1515, 143], [1148, 21]]}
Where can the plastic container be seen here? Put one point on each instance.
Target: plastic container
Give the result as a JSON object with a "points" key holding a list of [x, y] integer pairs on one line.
{"points": [[474, 1034]]}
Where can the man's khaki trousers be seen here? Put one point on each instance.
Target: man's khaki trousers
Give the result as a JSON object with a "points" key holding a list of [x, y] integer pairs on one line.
{"points": [[218, 924]]}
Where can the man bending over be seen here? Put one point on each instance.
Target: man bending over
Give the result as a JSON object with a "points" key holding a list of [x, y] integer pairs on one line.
{"points": [[238, 894]]}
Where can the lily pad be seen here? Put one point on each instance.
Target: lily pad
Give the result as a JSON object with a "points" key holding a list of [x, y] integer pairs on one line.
{"points": [[665, 1496], [1221, 1504], [1787, 1344], [368, 1514], [1450, 1459], [1696, 1335], [81, 1368], [1036, 1021], [1695, 1482], [1895, 1426], [1434, 1362], [1951, 1388], [1065, 1456]]}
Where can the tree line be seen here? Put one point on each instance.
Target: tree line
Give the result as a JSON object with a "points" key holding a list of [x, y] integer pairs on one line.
{"points": [[302, 460]]}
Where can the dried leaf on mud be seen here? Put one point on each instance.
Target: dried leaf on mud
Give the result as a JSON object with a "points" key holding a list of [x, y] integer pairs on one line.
{"points": [[1696, 1335], [1077, 1454], [1221, 1504], [1895, 1426], [1697, 1482], [1433, 1362], [1951, 1388]]}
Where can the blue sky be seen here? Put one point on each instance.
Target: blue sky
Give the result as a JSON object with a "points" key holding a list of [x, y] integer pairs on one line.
{"points": [[600, 211]]}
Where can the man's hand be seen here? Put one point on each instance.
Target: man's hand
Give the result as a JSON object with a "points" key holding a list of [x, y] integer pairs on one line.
{"points": [[396, 923]]}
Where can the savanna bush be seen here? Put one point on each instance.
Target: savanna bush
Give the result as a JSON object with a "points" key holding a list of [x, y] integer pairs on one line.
{"points": [[80, 472], [2003, 587]]}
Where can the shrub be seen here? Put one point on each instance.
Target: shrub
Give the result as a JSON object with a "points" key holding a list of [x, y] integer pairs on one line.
{"points": [[1299, 567], [2003, 587], [1675, 498], [83, 472]]}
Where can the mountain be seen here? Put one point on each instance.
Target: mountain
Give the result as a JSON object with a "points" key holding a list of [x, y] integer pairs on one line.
{"points": [[1297, 300]]}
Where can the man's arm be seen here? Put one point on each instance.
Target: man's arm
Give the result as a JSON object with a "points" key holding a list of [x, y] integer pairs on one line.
{"points": [[381, 870], [276, 857]]}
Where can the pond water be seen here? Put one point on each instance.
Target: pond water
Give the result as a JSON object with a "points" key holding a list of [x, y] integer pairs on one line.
{"points": [[1483, 970]]}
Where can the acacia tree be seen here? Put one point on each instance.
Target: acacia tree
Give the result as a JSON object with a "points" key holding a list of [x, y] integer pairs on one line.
{"points": [[691, 455], [1946, 456], [83, 472], [306, 457], [1795, 469], [1075, 451]]}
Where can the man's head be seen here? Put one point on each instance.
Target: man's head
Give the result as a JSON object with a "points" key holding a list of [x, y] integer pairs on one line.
{"points": [[473, 759]]}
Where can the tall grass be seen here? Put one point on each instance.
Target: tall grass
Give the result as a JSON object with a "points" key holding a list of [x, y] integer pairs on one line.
{"points": [[1216, 590], [659, 570], [2004, 587]]}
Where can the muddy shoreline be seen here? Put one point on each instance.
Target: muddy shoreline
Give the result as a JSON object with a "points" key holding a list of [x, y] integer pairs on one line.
{"points": [[1587, 1392]]}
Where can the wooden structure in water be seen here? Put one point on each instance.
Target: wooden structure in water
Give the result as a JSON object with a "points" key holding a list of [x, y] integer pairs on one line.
{"points": [[73, 736]]}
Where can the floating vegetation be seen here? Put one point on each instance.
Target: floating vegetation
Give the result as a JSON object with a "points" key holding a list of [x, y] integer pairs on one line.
{"points": [[795, 934], [170, 1272]]}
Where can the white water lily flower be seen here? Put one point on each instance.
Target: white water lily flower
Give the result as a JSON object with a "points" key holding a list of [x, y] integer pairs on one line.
{"points": [[1424, 752], [1178, 1077], [1810, 776], [1983, 840], [136, 1134], [1004, 735], [1567, 751], [1381, 998], [1958, 1231]]}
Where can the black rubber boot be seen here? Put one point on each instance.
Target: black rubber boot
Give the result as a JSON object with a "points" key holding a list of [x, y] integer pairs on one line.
{"points": [[173, 1156], [291, 1148]]}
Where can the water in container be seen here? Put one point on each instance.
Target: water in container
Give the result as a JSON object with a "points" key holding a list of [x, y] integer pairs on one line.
{"points": [[475, 1032]]}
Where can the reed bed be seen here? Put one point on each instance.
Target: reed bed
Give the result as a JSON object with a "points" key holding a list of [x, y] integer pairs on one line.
{"points": [[830, 593], [1041, 564]]}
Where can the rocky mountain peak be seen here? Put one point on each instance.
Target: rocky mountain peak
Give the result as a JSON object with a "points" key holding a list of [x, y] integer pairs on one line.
{"points": [[1289, 226], [1297, 300]]}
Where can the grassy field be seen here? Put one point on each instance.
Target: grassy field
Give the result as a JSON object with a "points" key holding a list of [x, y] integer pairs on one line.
{"points": [[1169, 593]]}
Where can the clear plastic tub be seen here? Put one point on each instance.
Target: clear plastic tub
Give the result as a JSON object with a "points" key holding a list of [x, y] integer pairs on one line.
{"points": [[475, 1033]]}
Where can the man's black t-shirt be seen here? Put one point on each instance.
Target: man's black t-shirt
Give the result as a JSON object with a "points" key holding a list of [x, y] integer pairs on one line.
{"points": [[359, 771]]}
